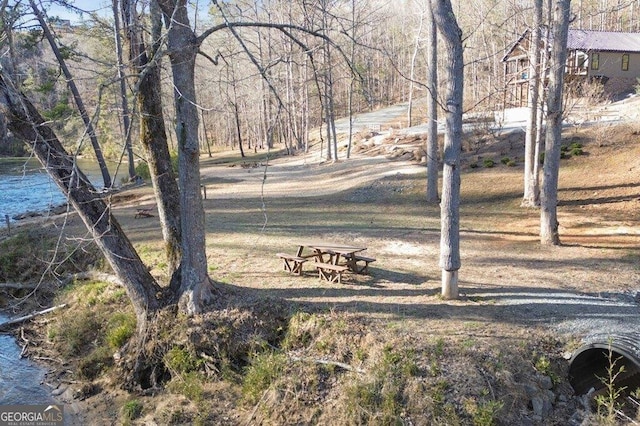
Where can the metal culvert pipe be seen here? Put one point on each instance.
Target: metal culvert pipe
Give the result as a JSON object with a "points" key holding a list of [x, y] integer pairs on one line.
{"points": [[589, 364]]}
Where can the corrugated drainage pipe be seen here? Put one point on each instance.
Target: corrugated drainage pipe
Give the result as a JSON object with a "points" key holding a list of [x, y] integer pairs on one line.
{"points": [[590, 364]]}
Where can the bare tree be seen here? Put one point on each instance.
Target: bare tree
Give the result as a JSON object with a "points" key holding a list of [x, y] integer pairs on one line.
{"points": [[25, 122], [432, 106], [450, 204], [153, 134], [549, 234], [126, 119], [106, 177], [183, 45], [531, 197], [416, 48]]}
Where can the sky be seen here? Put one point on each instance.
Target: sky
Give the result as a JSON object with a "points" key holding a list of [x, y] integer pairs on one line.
{"points": [[101, 6]]}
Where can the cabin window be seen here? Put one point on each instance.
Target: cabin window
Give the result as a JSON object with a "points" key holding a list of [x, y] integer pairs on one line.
{"points": [[625, 62], [595, 61]]}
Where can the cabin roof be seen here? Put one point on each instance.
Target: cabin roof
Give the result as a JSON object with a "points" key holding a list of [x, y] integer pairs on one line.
{"points": [[612, 41], [589, 40]]}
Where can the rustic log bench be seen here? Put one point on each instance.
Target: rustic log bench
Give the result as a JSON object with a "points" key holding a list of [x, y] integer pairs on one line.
{"points": [[292, 263], [364, 268], [330, 272], [142, 213]]}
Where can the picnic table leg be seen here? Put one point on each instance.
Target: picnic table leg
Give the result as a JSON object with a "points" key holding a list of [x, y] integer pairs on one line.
{"points": [[299, 252]]}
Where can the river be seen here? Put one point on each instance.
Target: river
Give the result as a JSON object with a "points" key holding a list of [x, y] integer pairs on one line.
{"points": [[26, 187], [20, 379]]}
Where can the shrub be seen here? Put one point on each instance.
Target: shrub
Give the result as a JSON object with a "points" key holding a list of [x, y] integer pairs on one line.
{"points": [[181, 361], [90, 367], [76, 331], [488, 163], [190, 385], [505, 160], [131, 410], [120, 328], [576, 149], [264, 369], [142, 168]]}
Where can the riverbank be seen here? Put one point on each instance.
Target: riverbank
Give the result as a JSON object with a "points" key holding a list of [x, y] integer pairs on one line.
{"points": [[283, 349]]}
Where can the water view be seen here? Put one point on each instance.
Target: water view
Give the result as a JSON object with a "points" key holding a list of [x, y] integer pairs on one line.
{"points": [[20, 379], [26, 187]]}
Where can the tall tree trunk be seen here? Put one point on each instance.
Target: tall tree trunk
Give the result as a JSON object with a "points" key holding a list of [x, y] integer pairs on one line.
{"points": [[126, 119], [153, 133], [450, 204], [531, 197], [412, 67], [26, 123], [106, 177], [432, 107], [238, 129], [195, 285], [549, 234], [352, 79]]}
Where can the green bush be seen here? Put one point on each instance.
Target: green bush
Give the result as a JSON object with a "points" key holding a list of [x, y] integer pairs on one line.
{"points": [[142, 168], [488, 163], [120, 328], [58, 112], [131, 410], [576, 149], [505, 160], [576, 152], [181, 361]]}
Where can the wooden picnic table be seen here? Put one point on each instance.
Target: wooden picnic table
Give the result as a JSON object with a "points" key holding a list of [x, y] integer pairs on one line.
{"points": [[335, 253], [330, 260]]}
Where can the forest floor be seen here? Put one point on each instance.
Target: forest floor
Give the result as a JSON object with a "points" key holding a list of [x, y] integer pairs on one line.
{"points": [[382, 348]]}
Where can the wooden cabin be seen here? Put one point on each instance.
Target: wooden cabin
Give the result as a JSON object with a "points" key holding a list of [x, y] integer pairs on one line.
{"points": [[611, 58]]}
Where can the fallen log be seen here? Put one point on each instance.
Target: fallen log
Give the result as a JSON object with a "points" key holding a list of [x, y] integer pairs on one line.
{"points": [[92, 275], [18, 286], [22, 319]]}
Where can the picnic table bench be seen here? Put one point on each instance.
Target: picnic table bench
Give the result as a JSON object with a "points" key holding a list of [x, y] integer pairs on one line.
{"points": [[330, 272], [330, 260], [366, 260], [292, 263]]}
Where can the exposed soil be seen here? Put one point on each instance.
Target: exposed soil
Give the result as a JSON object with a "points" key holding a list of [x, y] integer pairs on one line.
{"points": [[521, 302]]}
